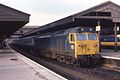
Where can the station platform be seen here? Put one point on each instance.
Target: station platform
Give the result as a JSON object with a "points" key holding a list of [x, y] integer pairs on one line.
{"points": [[110, 54], [14, 66], [111, 58]]}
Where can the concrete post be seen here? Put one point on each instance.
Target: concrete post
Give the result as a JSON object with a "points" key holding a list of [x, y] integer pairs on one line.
{"points": [[99, 37], [115, 32]]}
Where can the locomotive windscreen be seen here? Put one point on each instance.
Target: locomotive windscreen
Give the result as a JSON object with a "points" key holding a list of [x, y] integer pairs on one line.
{"points": [[92, 36], [81, 36]]}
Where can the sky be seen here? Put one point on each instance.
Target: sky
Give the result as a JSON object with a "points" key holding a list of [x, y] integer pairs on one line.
{"points": [[46, 11]]}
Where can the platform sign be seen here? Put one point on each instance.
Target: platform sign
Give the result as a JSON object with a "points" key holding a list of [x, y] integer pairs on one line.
{"points": [[98, 28]]}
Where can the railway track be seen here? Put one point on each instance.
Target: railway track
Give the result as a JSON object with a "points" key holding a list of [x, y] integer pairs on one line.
{"points": [[76, 73]]}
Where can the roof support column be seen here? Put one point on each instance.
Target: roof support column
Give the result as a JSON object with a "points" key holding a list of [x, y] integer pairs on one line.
{"points": [[115, 33], [98, 23]]}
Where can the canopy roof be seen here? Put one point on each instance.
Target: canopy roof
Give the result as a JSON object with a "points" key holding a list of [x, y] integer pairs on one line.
{"points": [[11, 20], [106, 13]]}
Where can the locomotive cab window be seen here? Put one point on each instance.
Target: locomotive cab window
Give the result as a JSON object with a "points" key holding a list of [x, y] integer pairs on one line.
{"points": [[71, 38], [81, 36], [92, 36]]}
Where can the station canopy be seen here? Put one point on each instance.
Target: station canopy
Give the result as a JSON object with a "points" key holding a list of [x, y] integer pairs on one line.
{"points": [[106, 15], [10, 21]]}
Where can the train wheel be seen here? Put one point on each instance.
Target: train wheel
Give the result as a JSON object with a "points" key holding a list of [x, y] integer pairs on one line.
{"points": [[61, 59], [83, 61]]}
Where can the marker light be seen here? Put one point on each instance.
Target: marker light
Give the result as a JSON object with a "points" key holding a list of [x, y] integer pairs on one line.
{"points": [[72, 46]]}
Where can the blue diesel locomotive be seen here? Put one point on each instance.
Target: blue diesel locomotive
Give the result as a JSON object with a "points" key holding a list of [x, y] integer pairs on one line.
{"points": [[75, 45]]}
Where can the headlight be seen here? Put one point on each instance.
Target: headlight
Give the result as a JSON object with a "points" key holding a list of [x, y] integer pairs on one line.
{"points": [[72, 46]]}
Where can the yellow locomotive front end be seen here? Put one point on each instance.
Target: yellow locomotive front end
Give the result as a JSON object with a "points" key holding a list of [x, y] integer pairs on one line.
{"points": [[86, 46]]}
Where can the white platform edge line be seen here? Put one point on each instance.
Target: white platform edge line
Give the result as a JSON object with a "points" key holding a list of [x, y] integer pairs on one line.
{"points": [[40, 66], [109, 57]]}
